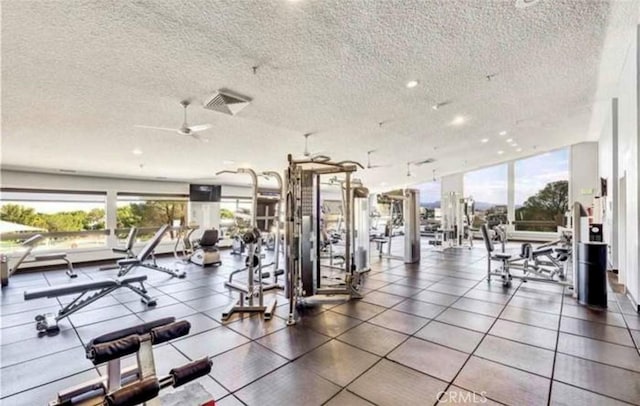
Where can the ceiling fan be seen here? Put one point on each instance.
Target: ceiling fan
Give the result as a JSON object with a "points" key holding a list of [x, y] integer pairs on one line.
{"points": [[369, 165], [418, 163], [185, 129], [312, 156]]}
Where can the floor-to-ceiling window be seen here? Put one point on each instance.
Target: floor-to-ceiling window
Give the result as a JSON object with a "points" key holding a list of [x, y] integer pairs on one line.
{"points": [[542, 191], [149, 212], [430, 196], [489, 190]]}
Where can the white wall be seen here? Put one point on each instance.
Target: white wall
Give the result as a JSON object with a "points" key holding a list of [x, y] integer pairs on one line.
{"points": [[452, 183], [619, 155], [584, 183]]}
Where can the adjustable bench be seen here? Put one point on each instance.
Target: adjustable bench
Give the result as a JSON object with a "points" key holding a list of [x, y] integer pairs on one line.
{"points": [[48, 323], [138, 383], [143, 256], [30, 244]]}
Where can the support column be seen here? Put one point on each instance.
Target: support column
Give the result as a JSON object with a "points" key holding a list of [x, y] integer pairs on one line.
{"points": [[511, 196], [112, 217]]}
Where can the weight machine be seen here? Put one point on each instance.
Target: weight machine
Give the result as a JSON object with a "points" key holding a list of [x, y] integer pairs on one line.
{"points": [[457, 223], [404, 213], [309, 279], [254, 289]]}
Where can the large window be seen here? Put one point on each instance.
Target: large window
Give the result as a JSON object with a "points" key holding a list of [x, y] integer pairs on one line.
{"points": [[488, 188], [541, 191], [235, 216], [67, 220], [430, 215], [148, 212]]}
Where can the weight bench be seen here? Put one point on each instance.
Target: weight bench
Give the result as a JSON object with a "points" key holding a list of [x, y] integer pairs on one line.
{"points": [[139, 383], [141, 260], [30, 244], [48, 323], [127, 250]]}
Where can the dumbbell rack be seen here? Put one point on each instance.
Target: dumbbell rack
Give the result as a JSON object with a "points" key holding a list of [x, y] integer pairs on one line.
{"points": [[139, 383]]}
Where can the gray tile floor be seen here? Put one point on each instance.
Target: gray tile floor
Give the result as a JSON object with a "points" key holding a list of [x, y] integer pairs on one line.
{"points": [[436, 333]]}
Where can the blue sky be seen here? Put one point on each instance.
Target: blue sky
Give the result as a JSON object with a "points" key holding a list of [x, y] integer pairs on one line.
{"points": [[489, 185]]}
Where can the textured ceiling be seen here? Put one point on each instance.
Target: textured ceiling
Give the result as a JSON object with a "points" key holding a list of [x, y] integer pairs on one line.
{"points": [[78, 75]]}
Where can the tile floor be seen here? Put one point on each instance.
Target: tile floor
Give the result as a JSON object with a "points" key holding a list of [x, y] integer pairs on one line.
{"points": [[436, 333]]}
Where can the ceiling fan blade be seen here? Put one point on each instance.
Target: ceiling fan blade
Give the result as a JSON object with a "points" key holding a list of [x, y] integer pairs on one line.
{"points": [[377, 166], [198, 137], [424, 162], [156, 128], [201, 127]]}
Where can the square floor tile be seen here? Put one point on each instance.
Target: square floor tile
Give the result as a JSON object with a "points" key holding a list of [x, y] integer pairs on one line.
{"points": [[212, 301], [399, 321], [359, 310], [19, 377], [293, 341], [209, 343], [450, 336], [598, 316], [472, 321], [346, 398], [600, 351], [177, 310], [329, 323], [80, 319], [243, 365], [289, 385], [337, 362], [43, 394], [399, 290], [372, 338], [432, 359], [566, 395], [448, 289], [441, 299], [539, 304], [492, 297], [391, 384], [382, 299], [419, 308], [617, 383], [526, 334], [502, 383], [598, 331], [33, 348], [256, 327], [199, 323], [91, 331], [478, 306], [531, 359], [531, 317]]}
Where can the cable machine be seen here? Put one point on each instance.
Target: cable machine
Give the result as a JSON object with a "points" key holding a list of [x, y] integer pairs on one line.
{"points": [[253, 290], [404, 212], [309, 279]]}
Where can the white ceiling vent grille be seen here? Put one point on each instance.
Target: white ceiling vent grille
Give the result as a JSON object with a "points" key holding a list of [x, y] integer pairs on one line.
{"points": [[227, 102]]}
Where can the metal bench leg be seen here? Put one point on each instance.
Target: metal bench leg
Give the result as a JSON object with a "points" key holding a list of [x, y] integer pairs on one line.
{"points": [[70, 272]]}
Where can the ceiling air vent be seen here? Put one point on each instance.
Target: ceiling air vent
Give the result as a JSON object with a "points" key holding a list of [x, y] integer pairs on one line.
{"points": [[424, 161], [227, 102]]}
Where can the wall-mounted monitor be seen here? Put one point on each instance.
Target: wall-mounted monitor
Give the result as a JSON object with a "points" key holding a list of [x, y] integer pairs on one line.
{"points": [[205, 193]]}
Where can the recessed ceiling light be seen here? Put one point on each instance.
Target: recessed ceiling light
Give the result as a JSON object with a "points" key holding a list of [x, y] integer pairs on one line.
{"points": [[500, 152], [503, 133], [411, 84], [484, 140], [383, 183], [227, 162], [514, 144], [458, 120], [518, 149], [137, 151], [509, 140]]}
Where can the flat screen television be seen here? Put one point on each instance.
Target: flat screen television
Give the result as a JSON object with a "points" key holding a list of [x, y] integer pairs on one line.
{"points": [[205, 193]]}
